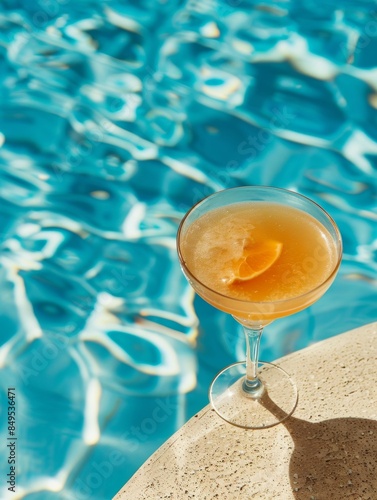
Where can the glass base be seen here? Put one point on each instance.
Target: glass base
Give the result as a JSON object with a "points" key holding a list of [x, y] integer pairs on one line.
{"points": [[274, 401]]}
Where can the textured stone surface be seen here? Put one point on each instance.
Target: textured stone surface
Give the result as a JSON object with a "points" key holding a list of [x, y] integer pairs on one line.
{"points": [[328, 449]]}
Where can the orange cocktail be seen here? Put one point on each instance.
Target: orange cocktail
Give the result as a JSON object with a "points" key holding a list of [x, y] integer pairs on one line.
{"points": [[259, 252]]}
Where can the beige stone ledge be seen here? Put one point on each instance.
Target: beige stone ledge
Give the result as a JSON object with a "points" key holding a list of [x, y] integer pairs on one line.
{"points": [[326, 450]]}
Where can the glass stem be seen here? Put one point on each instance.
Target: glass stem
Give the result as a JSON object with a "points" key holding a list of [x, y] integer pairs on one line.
{"points": [[252, 385]]}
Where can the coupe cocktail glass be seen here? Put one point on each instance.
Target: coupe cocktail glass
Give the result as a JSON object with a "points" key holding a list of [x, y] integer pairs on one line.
{"points": [[257, 253]]}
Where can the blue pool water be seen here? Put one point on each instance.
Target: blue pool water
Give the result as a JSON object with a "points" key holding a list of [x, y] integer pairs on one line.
{"points": [[115, 117]]}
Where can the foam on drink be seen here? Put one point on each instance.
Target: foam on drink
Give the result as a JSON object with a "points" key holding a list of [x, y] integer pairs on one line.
{"points": [[224, 238]]}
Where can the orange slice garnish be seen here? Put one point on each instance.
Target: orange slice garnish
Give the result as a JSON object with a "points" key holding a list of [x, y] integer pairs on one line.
{"points": [[256, 259]]}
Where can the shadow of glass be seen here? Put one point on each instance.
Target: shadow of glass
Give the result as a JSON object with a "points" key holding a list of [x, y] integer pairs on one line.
{"points": [[333, 459]]}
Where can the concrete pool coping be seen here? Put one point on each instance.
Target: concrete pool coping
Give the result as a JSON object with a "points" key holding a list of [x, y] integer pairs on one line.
{"points": [[327, 449]]}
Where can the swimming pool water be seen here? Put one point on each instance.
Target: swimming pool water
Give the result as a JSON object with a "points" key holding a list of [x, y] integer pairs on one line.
{"points": [[116, 117]]}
